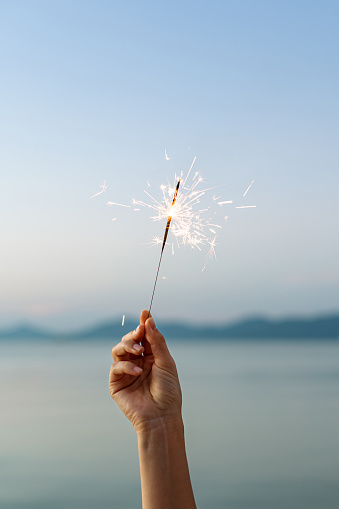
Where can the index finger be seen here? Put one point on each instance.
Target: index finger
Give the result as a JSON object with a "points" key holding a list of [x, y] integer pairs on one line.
{"points": [[145, 314], [126, 350], [135, 335]]}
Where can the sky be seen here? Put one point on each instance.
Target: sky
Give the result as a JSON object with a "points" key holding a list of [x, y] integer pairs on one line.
{"points": [[95, 91]]}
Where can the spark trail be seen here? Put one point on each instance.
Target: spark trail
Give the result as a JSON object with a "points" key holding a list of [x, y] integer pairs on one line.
{"points": [[104, 188]]}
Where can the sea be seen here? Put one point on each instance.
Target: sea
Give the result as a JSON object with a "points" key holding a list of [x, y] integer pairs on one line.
{"points": [[261, 425]]}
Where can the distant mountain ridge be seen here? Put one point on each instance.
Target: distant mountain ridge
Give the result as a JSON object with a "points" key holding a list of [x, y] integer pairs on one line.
{"points": [[323, 327]]}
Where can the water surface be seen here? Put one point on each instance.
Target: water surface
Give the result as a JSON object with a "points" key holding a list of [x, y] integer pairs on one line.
{"points": [[261, 423]]}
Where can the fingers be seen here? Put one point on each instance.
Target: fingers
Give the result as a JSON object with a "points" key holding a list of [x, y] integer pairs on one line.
{"points": [[121, 368], [122, 350], [129, 346], [135, 335], [156, 340], [143, 317]]}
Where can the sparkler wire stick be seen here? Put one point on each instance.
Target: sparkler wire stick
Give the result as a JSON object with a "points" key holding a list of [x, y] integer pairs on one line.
{"points": [[164, 241]]}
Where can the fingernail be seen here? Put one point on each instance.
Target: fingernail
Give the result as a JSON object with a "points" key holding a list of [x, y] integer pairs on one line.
{"points": [[137, 347], [137, 370], [152, 323]]}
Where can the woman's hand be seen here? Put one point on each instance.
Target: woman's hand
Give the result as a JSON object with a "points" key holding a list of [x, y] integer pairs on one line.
{"points": [[143, 380]]}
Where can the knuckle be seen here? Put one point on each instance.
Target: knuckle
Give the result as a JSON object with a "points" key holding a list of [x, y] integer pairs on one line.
{"points": [[115, 348], [161, 338], [126, 345]]}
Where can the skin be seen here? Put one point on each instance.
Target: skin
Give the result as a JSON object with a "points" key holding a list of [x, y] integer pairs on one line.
{"points": [[144, 383]]}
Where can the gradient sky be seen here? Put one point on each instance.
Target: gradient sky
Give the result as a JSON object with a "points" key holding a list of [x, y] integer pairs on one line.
{"points": [[94, 91]]}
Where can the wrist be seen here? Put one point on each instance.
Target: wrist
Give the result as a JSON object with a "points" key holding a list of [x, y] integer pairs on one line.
{"points": [[164, 425]]}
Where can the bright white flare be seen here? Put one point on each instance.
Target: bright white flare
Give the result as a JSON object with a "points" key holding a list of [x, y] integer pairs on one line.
{"points": [[191, 223]]}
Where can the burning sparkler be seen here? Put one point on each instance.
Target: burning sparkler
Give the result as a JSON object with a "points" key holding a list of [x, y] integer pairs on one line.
{"points": [[192, 221]]}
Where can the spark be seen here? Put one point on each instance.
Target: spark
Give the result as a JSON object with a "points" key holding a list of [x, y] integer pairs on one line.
{"points": [[224, 202], [246, 207], [123, 320], [114, 219], [189, 171], [103, 187], [215, 225], [249, 187], [156, 241], [211, 253], [166, 156], [110, 203]]}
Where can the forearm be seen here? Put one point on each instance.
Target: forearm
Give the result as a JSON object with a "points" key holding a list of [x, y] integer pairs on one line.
{"points": [[165, 479]]}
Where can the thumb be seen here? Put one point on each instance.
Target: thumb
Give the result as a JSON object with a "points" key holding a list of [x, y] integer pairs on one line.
{"points": [[162, 356]]}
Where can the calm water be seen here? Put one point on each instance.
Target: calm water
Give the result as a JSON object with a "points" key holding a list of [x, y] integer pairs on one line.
{"points": [[261, 423]]}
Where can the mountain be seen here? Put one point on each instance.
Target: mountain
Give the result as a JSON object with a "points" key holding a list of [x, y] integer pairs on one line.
{"points": [[324, 327], [26, 332]]}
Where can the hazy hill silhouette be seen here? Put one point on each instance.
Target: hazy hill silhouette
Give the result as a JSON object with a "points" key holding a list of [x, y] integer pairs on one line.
{"points": [[324, 327]]}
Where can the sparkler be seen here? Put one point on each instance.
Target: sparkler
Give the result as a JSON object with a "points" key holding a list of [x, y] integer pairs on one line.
{"points": [[194, 220], [169, 219], [193, 223]]}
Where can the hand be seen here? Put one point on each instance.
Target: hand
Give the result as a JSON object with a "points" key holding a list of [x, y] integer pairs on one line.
{"points": [[143, 380]]}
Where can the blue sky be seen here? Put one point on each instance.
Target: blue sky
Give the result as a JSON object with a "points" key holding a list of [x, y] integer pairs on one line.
{"points": [[95, 91]]}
